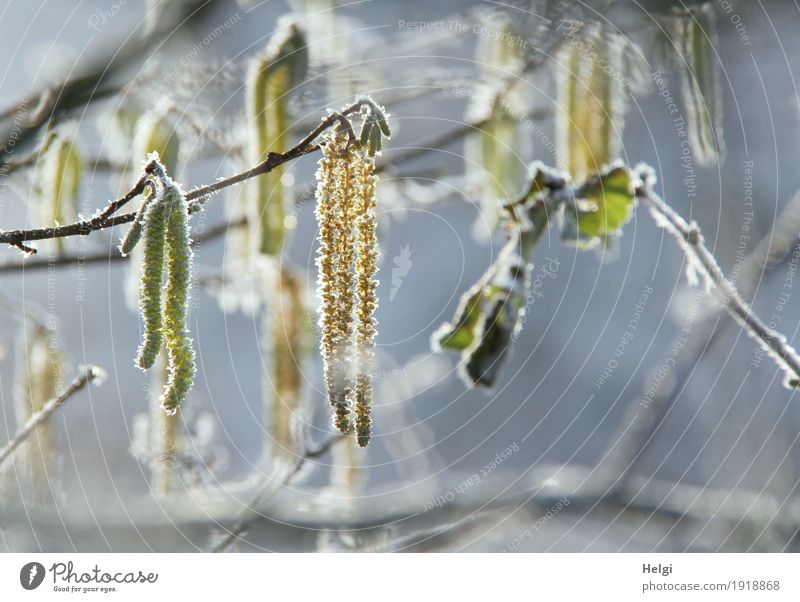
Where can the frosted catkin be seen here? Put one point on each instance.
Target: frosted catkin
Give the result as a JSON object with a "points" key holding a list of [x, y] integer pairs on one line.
{"points": [[347, 261], [366, 267], [176, 304], [150, 281], [327, 193]]}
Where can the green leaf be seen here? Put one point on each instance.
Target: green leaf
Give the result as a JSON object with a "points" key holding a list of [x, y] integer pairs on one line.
{"points": [[460, 333], [604, 205], [484, 360]]}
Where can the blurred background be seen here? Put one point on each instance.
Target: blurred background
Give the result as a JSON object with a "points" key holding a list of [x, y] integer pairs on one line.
{"points": [[631, 415]]}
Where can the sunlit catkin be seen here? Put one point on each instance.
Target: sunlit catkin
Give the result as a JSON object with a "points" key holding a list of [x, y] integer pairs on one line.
{"points": [[285, 331], [61, 177], [366, 266], [151, 279], [165, 279], [501, 143], [273, 74], [38, 379], [347, 262], [591, 101], [176, 303], [329, 190]]}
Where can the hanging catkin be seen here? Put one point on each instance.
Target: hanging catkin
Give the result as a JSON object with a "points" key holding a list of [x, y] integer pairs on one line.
{"points": [[152, 276], [272, 75], [60, 182], [592, 102], [365, 268], [347, 261], [39, 371], [165, 282], [176, 304], [331, 186], [285, 331]]}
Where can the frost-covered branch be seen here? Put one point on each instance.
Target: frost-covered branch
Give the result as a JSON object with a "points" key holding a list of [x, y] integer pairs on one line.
{"points": [[703, 265], [108, 217]]}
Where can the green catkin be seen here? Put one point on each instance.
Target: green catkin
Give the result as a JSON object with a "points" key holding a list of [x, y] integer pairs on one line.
{"points": [[151, 279], [366, 267], [61, 179], [154, 133], [700, 90], [176, 304], [272, 76], [134, 234], [498, 148]]}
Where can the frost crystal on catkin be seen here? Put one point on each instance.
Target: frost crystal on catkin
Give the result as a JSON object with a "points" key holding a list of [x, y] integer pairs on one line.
{"points": [[152, 275], [365, 268], [164, 306], [332, 186], [176, 305], [347, 262]]}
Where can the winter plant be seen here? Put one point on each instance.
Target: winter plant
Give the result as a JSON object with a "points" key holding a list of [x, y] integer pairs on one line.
{"points": [[588, 195]]}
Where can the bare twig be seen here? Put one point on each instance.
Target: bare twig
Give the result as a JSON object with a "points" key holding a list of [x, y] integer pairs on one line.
{"points": [[638, 428], [702, 260], [88, 375], [266, 492], [94, 258]]}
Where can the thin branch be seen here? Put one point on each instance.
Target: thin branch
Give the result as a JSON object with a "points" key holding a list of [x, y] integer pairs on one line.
{"points": [[638, 428], [75, 259], [88, 375], [265, 493], [702, 260]]}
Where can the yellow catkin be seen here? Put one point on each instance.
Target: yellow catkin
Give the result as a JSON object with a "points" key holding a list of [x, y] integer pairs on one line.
{"points": [[333, 189], [347, 262], [39, 376], [61, 178], [327, 288], [272, 76], [366, 267], [286, 329], [345, 277], [592, 104]]}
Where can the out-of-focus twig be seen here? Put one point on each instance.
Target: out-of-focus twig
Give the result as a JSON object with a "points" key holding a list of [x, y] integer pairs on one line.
{"points": [[267, 491], [88, 374]]}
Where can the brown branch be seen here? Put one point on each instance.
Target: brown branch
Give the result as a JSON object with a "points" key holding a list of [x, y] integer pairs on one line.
{"points": [[62, 260], [88, 375]]}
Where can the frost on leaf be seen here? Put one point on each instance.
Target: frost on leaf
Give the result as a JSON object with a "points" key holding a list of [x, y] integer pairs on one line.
{"points": [[488, 317], [603, 205]]}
